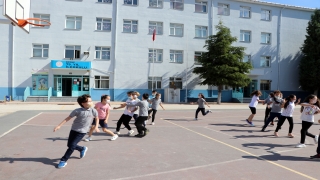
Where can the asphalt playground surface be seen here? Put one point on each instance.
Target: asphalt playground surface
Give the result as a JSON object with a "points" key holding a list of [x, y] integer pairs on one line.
{"points": [[217, 146]]}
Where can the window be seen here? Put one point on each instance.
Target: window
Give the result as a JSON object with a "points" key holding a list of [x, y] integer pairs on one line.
{"points": [[156, 3], [130, 26], [73, 22], [176, 56], [265, 15], [175, 83], [155, 25], [105, 1], [42, 16], [101, 82], [265, 38], [245, 36], [265, 61], [265, 85], [154, 82], [247, 58], [102, 53], [176, 29], [130, 2], [223, 9], [245, 12], [103, 24], [72, 52], [197, 54], [176, 4], [40, 50], [200, 6], [155, 55], [201, 32]]}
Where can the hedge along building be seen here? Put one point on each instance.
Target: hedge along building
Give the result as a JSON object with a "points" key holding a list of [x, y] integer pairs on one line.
{"points": [[105, 47]]}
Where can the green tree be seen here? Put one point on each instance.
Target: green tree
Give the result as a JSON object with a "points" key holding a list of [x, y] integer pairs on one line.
{"points": [[309, 74], [222, 64]]}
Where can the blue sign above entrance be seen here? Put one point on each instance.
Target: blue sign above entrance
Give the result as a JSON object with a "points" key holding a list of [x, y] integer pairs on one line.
{"points": [[62, 64]]}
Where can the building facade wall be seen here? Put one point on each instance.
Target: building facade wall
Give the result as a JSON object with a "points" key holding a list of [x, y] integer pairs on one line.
{"points": [[129, 68]]}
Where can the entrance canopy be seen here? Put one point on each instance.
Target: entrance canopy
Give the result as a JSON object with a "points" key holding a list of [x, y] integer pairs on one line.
{"points": [[62, 64]]}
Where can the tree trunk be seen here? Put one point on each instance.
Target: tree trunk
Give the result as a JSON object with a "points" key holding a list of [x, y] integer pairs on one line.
{"points": [[219, 94], [315, 92]]}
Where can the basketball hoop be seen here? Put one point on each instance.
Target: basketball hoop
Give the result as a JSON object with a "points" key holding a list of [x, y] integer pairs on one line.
{"points": [[24, 22]]}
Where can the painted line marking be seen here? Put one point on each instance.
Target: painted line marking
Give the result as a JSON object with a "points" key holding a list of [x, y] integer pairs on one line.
{"points": [[19, 125], [182, 169], [41, 125], [246, 152]]}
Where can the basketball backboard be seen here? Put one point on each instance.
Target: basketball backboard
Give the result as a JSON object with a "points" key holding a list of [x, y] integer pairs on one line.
{"points": [[17, 9]]}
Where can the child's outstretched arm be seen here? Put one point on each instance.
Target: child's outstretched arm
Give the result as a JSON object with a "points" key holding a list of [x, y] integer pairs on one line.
{"points": [[298, 101], [59, 126], [207, 104], [121, 106], [161, 106]]}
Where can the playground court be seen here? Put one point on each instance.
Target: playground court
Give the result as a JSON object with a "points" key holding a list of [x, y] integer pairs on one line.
{"points": [[217, 146]]}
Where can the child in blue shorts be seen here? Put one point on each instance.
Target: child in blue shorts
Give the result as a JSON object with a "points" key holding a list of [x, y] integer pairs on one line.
{"points": [[79, 128]]}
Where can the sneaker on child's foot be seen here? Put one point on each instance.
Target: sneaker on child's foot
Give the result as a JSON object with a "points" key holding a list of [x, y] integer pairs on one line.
{"points": [[251, 123], [248, 122], [114, 137], [290, 135], [88, 139], [276, 134], [152, 123], [139, 135], [116, 132], [130, 132], [316, 138], [317, 156], [83, 152], [300, 145], [62, 164], [195, 118]]}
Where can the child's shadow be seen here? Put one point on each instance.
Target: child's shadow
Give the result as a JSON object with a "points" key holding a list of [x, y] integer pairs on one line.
{"points": [[44, 160]]}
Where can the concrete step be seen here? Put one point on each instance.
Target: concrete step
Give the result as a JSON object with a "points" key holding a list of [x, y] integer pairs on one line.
{"points": [[63, 99], [37, 99]]}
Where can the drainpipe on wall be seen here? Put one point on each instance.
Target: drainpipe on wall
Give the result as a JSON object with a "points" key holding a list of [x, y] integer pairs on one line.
{"points": [[12, 59], [113, 45], [279, 46]]}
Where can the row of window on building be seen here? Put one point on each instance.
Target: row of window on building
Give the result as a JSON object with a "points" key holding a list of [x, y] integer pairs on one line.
{"points": [[200, 6], [154, 55], [102, 82], [131, 26]]}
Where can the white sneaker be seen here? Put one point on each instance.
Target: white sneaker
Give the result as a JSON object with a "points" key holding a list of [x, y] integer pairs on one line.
{"points": [[210, 111], [130, 132], [153, 123], [116, 132], [88, 139], [114, 137], [300, 145], [316, 139]]}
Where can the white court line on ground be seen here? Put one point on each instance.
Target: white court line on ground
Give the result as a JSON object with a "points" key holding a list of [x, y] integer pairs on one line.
{"points": [[19, 125], [182, 169], [42, 125], [246, 152]]}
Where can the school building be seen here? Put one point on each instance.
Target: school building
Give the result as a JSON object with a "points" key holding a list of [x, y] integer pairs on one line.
{"points": [[106, 47]]}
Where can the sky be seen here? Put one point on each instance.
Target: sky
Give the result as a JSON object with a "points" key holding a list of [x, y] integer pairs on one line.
{"points": [[303, 3]]}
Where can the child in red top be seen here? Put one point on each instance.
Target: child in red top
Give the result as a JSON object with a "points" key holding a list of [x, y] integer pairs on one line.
{"points": [[103, 109]]}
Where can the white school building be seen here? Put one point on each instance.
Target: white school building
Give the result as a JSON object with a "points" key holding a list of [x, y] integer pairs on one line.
{"points": [[105, 47]]}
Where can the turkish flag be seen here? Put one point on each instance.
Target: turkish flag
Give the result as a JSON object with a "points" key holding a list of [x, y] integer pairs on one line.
{"points": [[154, 35]]}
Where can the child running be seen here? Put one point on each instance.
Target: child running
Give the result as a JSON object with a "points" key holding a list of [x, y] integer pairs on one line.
{"points": [[201, 102], [79, 128], [268, 107], [253, 104], [143, 115], [308, 108], [155, 102], [126, 116], [135, 100], [103, 109], [288, 107], [276, 108], [317, 156]]}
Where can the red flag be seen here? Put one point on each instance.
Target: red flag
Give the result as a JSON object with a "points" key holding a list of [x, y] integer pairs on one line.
{"points": [[154, 35]]}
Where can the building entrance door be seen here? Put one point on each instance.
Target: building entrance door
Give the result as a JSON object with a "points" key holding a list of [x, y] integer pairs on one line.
{"points": [[66, 86], [250, 88]]}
